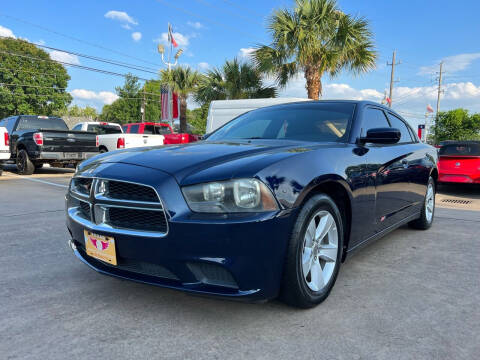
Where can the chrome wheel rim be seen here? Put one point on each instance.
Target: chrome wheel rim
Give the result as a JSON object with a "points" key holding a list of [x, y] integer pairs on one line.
{"points": [[319, 250], [429, 202]]}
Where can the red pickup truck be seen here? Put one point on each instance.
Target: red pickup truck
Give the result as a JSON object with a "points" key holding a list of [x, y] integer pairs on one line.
{"points": [[160, 129]]}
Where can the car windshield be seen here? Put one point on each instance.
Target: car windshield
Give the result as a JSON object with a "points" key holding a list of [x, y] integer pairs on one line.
{"points": [[38, 122], [326, 122], [104, 129], [460, 149]]}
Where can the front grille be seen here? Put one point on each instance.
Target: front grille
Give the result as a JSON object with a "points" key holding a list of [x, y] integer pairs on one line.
{"points": [[107, 210], [131, 192], [82, 185], [85, 209], [146, 220]]}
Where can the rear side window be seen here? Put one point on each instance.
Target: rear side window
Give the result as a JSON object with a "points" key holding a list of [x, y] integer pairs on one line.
{"points": [[459, 149], [134, 129], [374, 118], [149, 129], [77, 127], [36, 123], [397, 123], [125, 129], [9, 123], [162, 130]]}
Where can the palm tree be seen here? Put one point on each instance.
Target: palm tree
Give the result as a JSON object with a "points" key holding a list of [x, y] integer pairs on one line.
{"points": [[315, 38], [234, 80], [184, 82]]}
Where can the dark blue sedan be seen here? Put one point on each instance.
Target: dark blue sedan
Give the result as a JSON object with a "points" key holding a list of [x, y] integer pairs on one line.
{"points": [[268, 205]]}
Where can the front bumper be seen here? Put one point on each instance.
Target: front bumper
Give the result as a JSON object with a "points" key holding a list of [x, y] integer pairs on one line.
{"points": [[239, 256]]}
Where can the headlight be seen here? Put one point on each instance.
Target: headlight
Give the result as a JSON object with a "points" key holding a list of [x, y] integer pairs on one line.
{"points": [[233, 196]]}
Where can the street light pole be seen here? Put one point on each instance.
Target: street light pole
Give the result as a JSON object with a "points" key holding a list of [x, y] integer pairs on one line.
{"points": [[169, 64]]}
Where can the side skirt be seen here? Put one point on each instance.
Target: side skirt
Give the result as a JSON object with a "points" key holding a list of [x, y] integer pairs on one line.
{"points": [[383, 233]]}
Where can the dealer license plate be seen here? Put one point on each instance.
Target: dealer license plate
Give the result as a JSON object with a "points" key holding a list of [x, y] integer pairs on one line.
{"points": [[100, 247]]}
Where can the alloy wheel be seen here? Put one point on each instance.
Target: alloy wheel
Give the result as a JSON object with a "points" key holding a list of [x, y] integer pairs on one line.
{"points": [[319, 251], [429, 202]]}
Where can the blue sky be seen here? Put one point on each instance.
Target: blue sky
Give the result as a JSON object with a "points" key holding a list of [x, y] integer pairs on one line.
{"points": [[211, 31]]}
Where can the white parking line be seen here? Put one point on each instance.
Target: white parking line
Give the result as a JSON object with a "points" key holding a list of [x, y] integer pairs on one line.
{"points": [[43, 182]]}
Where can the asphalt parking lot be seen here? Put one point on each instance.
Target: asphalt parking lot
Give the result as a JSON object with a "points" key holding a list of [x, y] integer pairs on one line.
{"points": [[410, 295]]}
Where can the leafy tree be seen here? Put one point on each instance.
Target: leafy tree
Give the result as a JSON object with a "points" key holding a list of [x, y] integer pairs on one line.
{"points": [[457, 124], [184, 82], [77, 111], [30, 82], [197, 118], [234, 80], [315, 38], [127, 107]]}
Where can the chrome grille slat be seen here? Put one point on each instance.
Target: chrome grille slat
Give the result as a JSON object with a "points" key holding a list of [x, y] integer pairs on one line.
{"points": [[140, 214]]}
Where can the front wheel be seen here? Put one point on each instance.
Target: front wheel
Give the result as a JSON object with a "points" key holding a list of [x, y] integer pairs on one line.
{"points": [[314, 253], [24, 164]]}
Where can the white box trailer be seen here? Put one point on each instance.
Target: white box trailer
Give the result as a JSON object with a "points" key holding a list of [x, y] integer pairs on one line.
{"points": [[222, 111]]}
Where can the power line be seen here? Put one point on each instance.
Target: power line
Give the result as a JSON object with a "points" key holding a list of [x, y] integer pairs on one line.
{"points": [[77, 39], [88, 68], [243, 8]]}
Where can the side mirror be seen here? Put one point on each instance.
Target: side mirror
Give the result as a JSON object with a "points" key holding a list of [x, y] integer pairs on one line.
{"points": [[382, 136]]}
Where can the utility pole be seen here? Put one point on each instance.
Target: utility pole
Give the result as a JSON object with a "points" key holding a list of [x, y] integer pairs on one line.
{"points": [[143, 104], [392, 76], [438, 99]]}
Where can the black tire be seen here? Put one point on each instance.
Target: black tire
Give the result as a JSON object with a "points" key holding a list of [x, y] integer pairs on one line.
{"points": [[24, 164], [423, 223], [1, 169], [294, 290], [103, 150]]}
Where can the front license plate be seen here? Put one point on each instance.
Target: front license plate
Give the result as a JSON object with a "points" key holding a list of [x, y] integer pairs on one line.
{"points": [[100, 247], [72, 155]]}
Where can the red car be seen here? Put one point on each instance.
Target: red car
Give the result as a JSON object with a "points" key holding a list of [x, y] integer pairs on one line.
{"points": [[160, 129], [459, 162]]}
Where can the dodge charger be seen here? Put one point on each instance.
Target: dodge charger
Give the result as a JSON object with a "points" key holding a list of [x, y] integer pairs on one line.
{"points": [[267, 206]]}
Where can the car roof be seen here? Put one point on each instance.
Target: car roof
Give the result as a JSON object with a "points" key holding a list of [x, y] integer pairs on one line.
{"points": [[298, 104]]}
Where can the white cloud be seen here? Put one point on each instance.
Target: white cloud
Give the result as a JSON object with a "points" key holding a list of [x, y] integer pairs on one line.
{"points": [[127, 26], [246, 53], [40, 42], [451, 64], [64, 57], [203, 65], [196, 25], [105, 97], [6, 32], [136, 36], [121, 16], [182, 40]]}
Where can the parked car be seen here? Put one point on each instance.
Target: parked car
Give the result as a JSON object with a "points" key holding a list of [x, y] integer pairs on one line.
{"points": [[160, 129], [459, 162], [269, 204], [111, 136], [4, 147], [222, 111], [37, 140]]}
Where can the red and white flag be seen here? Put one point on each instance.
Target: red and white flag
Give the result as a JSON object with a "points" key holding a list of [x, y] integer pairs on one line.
{"points": [[170, 36], [429, 108], [388, 100], [169, 99]]}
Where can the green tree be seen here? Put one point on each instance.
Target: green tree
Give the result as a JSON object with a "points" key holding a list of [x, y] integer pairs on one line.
{"points": [[457, 124], [184, 82], [315, 38], [77, 111], [127, 107], [197, 118], [234, 80], [30, 82]]}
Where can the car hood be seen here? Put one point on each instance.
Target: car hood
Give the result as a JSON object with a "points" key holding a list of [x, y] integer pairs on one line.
{"points": [[206, 161]]}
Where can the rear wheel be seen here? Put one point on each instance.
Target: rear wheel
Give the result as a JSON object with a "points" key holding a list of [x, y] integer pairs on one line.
{"points": [[103, 149], [425, 220], [314, 253], [24, 164]]}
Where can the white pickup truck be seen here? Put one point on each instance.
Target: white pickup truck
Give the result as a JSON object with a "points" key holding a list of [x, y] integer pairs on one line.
{"points": [[111, 136], [4, 147]]}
